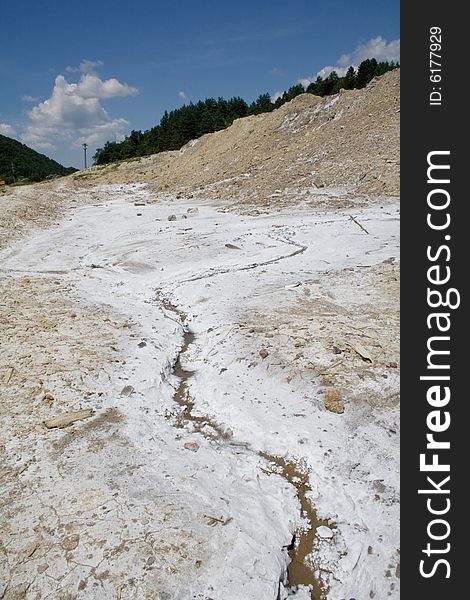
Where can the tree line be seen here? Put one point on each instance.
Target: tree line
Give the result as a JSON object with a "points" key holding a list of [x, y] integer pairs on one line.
{"points": [[178, 127]]}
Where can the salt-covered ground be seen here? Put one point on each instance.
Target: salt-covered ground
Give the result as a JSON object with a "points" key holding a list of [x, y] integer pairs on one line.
{"points": [[285, 308]]}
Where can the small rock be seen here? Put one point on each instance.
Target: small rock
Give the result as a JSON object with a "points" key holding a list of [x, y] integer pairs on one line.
{"points": [[142, 344], [172, 217], [193, 210], [194, 446], [263, 353], [127, 390], [333, 401], [317, 182], [232, 247], [66, 419], [324, 532], [379, 486], [70, 542], [31, 548]]}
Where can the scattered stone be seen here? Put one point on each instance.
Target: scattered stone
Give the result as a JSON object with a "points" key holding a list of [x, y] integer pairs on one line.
{"points": [[7, 375], [232, 247], [361, 351], [193, 210], [139, 203], [127, 390], [49, 398], [142, 344], [291, 286], [263, 353], [318, 182], [67, 419], [70, 542], [324, 532], [194, 446], [31, 548], [379, 486], [172, 217], [333, 401]]}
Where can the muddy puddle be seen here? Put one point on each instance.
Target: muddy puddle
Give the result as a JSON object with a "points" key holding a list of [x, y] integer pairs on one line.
{"points": [[298, 571]]}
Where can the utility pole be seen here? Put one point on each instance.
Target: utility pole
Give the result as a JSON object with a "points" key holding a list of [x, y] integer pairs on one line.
{"points": [[85, 146]]}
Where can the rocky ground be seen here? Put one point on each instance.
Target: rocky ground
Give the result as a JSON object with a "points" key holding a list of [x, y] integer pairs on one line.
{"points": [[282, 263]]}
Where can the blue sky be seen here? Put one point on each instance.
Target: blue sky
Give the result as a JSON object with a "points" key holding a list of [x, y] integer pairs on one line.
{"points": [[79, 71]]}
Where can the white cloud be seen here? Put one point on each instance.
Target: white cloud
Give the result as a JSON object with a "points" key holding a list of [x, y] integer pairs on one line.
{"points": [[183, 96], [91, 86], [8, 130], [86, 66], [377, 48], [29, 98], [73, 114], [276, 95]]}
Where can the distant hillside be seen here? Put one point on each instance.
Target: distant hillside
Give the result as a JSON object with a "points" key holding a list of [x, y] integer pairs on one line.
{"points": [[18, 162]]}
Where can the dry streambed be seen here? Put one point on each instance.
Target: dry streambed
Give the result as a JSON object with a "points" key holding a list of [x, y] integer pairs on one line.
{"points": [[233, 374]]}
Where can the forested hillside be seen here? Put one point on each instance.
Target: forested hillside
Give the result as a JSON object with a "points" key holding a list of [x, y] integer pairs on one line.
{"points": [[20, 163], [194, 120]]}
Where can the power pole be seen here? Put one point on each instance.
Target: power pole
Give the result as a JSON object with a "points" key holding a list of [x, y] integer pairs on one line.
{"points": [[85, 146]]}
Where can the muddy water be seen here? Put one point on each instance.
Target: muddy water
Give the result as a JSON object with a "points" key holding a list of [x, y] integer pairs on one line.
{"points": [[201, 423], [298, 572]]}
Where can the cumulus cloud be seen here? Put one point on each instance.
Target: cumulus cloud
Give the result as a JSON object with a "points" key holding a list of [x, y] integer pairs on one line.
{"points": [[74, 113], [7, 129], [377, 48], [183, 96], [29, 98], [91, 86]]}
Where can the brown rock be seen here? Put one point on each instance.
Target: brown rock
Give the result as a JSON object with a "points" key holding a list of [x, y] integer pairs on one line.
{"points": [[333, 401]]}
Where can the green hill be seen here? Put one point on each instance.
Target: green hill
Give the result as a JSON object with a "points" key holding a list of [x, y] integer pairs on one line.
{"points": [[20, 163]]}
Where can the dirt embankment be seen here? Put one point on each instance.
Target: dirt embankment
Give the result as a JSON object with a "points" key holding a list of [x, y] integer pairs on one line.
{"points": [[350, 139]]}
